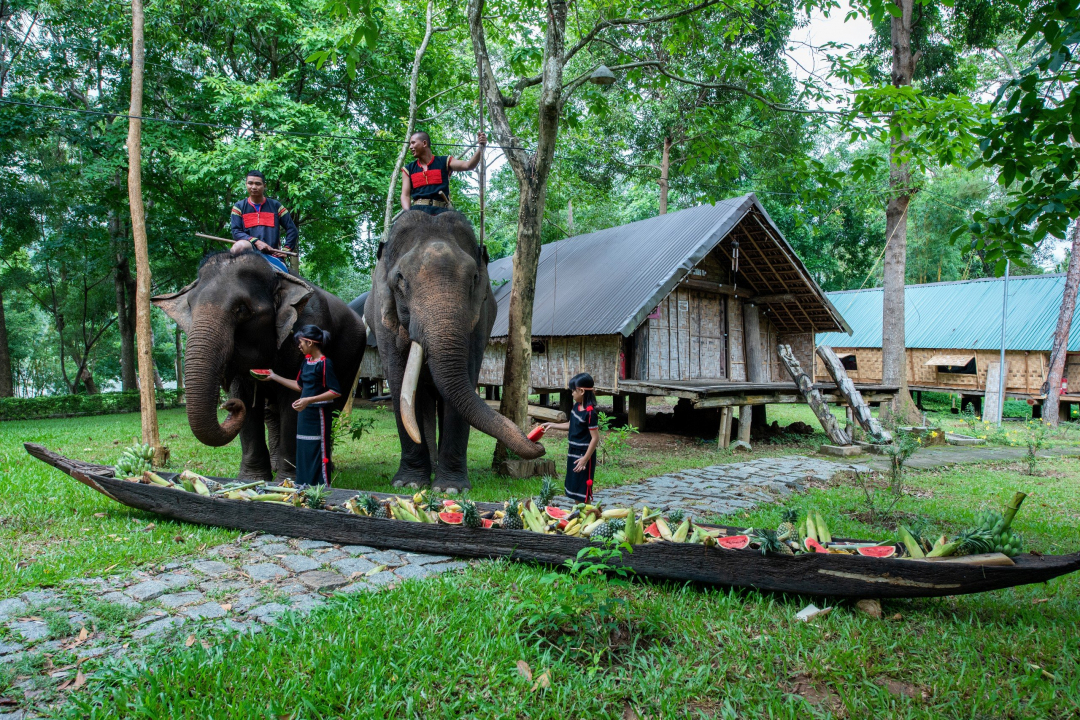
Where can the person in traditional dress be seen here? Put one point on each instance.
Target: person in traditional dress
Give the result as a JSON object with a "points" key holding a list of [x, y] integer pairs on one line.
{"points": [[318, 387], [426, 182], [259, 221], [583, 436]]}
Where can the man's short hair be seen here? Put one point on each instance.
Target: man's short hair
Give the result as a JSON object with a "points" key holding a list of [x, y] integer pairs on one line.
{"points": [[255, 173], [423, 136]]}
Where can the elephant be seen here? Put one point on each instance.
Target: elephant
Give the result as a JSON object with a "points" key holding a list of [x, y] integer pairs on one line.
{"points": [[432, 309], [239, 315]]}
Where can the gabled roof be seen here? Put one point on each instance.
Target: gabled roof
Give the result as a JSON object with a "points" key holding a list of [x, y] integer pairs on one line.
{"points": [[606, 282], [962, 315]]}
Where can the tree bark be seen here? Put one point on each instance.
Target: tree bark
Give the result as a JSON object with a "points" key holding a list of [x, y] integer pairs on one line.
{"points": [[414, 81], [532, 174], [7, 387], [125, 321], [1061, 333], [143, 330], [893, 349], [665, 166]]}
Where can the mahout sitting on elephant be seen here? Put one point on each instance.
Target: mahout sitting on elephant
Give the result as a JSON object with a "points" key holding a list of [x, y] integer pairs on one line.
{"points": [[432, 310], [240, 315]]}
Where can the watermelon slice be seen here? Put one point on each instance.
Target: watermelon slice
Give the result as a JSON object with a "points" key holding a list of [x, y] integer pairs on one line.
{"points": [[812, 544], [556, 513], [451, 518], [261, 373], [487, 523], [653, 530], [881, 551], [734, 542]]}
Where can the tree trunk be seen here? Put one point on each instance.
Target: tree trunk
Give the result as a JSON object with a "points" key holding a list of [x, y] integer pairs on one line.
{"points": [[414, 80], [125, 323], [1061, 334], [665, 165], [7, 388], [893, 349], [857, 407], [138, 230], [812, 396]]}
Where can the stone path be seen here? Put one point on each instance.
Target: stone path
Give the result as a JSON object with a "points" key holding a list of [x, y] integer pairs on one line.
{"points": [[723, 489], [237, 587]]}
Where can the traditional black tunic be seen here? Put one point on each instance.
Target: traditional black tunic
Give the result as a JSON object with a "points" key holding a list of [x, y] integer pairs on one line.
{"points": [[313, 422], [583, 419]]}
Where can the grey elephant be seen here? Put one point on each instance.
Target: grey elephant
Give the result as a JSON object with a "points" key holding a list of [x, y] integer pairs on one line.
{"points": [[432, 310], [240, 315]]}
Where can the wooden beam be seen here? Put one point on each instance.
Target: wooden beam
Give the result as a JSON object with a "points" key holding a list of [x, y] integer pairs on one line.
{"points": [[813, 397], [709, 286], [780, 298], [847, 388], [636, 412]]}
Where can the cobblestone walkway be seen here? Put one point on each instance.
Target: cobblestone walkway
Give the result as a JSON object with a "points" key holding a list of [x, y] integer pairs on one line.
{"points": [[237, 587], [723, 489]]}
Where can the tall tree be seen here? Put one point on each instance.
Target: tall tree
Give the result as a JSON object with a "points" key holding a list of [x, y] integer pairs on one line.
{"points": [[143, 331]]}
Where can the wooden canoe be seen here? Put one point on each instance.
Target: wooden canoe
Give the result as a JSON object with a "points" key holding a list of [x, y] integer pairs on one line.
{"points": [[811, 574]]}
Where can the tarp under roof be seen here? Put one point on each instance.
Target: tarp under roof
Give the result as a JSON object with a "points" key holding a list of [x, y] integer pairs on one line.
{"points": [[950, 360], [607, 282], [962, 315]]}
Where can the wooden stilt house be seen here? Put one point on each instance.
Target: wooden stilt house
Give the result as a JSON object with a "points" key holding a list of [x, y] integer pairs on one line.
{"points": [[689, 304]]}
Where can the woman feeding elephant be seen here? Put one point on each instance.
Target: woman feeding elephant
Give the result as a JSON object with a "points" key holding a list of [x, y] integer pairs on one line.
{"points": [[432, 310], [318, 387]]}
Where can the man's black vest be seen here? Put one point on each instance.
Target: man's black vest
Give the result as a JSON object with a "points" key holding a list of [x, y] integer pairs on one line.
{"points": [[430, 182]]}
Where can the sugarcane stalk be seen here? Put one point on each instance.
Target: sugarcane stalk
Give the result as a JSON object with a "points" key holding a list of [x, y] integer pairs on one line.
{"points": [[1012, 508]]}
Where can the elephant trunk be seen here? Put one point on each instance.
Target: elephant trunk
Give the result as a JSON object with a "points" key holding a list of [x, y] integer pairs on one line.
{"points": [[447, 361], [208, 349]]}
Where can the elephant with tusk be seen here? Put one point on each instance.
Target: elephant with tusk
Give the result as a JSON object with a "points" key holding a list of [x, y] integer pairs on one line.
{"points": [[432, 310], [240, 315]]}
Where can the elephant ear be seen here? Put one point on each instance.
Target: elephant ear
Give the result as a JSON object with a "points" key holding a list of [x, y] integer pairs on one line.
{"points": [[292, 295], [177, 307]]}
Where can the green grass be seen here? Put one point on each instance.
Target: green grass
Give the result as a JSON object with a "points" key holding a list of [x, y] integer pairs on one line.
{"points": [[449, 647]]}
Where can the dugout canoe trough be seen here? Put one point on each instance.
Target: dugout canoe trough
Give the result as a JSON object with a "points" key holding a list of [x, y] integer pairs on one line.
{"points": [[810, 574]]}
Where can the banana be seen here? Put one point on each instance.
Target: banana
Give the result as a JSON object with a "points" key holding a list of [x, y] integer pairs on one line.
{"points": [[588, 529]]}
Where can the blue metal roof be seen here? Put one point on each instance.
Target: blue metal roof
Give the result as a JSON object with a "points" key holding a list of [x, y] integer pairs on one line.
{"points": [[962, 315]]}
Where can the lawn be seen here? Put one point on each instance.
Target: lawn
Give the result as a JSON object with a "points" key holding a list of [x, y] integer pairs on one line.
{"points": [[450, 647]]}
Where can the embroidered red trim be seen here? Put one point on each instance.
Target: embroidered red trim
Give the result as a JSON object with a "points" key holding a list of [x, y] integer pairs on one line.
{"points": [[428, 177], [261, 219]]}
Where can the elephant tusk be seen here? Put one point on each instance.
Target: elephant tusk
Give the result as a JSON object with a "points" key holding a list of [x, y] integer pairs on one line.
{"points": [[408, 391]]}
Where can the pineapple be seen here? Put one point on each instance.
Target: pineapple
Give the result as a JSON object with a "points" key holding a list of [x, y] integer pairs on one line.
{"points": [[675, 517], [471, 516], [604, 532], [374, 508], [770, 542], [512, 519], [617, 524], [315, 496], [547, 492], [786, 529]]}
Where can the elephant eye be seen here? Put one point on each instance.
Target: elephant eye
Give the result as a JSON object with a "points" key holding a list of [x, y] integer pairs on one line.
{"points": [[242, 311], [402, 283]]}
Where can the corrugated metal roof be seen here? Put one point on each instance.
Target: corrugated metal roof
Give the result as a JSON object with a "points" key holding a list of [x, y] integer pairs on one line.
{"points": [[961, 315], [606, 282]]}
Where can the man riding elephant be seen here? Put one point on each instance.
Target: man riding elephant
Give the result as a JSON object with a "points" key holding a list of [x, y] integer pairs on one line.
{"points": [[240, 315], [432, 310]]}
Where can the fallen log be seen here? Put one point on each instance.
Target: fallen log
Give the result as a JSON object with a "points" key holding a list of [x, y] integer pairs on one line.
{"points": [[847, 388], [812, 396]]}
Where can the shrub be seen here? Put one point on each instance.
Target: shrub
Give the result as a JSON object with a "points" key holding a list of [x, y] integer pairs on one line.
{"points": [[56, 406]]}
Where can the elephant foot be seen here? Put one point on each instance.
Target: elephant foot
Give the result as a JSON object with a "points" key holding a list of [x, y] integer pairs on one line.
{"points": [[451, 483], [256, 473], [405, 478]]}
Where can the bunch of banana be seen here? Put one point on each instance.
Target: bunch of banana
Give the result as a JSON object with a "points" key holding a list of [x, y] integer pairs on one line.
{"points": [[133, 461], [533, 517]]}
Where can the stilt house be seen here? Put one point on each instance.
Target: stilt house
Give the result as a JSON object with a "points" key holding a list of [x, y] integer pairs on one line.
{"points": [[953, 336], [689, 304]]}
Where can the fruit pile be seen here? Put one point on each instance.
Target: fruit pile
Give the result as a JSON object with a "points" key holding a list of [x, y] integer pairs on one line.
{"points": [[133, 461], [992, 533]]}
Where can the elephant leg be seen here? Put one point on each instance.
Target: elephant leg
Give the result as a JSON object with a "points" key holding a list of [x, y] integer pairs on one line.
{"points": [[255, 457], [415, 467], [452, 472], [286, 469], [273, 431]]}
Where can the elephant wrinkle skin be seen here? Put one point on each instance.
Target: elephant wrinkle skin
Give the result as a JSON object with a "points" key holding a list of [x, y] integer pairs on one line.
{"points": [[240, 315], [431, 287]]}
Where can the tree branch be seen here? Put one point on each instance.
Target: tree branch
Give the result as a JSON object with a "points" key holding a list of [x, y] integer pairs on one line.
{"points": [[748, 93], [624, 22], [570, 87]]}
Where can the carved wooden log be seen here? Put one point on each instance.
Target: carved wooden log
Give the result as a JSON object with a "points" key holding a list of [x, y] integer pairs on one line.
{"points": [[812, 396], [847, 388], [808, 574]]}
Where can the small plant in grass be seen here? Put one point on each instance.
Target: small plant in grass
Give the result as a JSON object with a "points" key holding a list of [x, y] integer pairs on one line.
{"points": [[967, 414], [351, 426], [879, 500], [613, 440], [903, 447], [1035, 440]]}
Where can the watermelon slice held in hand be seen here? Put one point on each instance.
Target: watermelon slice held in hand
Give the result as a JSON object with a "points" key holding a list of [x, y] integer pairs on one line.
{"points": [[261, 374]]}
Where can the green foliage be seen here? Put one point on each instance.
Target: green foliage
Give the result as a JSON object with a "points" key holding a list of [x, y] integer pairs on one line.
{"points": [[902, 448], [1034, 442], [613, 441], [56, 406]]}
